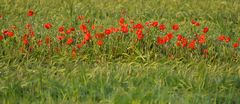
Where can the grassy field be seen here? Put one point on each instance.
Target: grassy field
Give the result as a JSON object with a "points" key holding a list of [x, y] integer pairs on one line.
{"points": [[95, 51]]}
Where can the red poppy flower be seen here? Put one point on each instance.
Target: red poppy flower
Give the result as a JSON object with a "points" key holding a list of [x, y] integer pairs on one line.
{"points": [[108, 31], [83, 27], [139, 31], [124, 29], [160, 41], [1, 37], [121, 21], [131, 21], [69, 41], [72, 29], [61, 29], [74, 53], [10, 34], [192, 44], [179, 37], [227, 39], [48, 40], [138, 26], [39, 42], [221, 38], [93, 27], [202, 39], [79, 45], [162, 27], [170, 35], [236, 45], [30, 13], [238, 39], [100, 42], [25, 41], [205, 30], [60, 38], [197, 24], [68, 31], [1, 17], [28, 26], [48, 25], [147, 23], [184, 42], [193, 22], [205, 51], [87, 36], [178, 43], [140, 36], [31, 33], [80, 17], [175, 27], [154, 24]]}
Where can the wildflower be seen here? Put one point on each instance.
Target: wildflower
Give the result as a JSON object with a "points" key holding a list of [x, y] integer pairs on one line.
{"points": [[179, 37], [61, 29], [87, 36], [197, 24], [205, 51], [60, 38], [108, 31], [175, 27], [178, 43], [160, 41], [121, 21], [28, 26], [138, 26], [221, 38], [93, 27], [184, 42], [124, 29], [131, 21], [48, 25], [168, 37], [227, 39], [202, 39], [205, 30], [236, 45], [31, 33], [30, 13], [162, 27], [74, 53], [100, 42], [140, 36], [192, 44], [1, 37], [25, 41], [69, 41], [80, 17], [83, 27], [68, 31], [72, 29], [39, 42], [154, 24], [48, 40], [193, 22], [9, 34]]}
